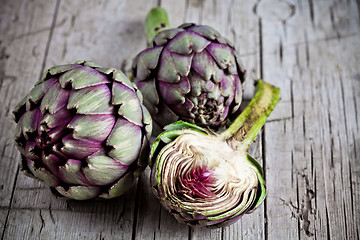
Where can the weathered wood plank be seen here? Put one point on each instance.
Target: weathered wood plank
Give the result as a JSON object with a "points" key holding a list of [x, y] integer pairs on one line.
{"points": [[36, 214], [24, 32], [310, 145], [243, 30], [109, 33], [78, 31], [309, 165]]}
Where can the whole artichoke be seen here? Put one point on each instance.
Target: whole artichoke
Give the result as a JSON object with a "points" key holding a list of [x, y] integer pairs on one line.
{"points": [[190, 73], [83, 131], [207, 179]]}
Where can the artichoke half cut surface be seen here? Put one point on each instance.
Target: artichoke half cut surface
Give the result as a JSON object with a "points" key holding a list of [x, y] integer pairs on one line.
{"points": [[84, 131], [208, 179]]}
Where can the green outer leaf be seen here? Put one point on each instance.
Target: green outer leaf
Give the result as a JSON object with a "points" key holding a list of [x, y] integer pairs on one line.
{"points": [[171, 135], [106, 71], [79, 192], [165, 36], [173, 66], [214, 215], [187, 42], [147, 120], [129, 102], [184, 125], [87, 63], [102, 169], [54, 71], [121, 78], [91, 100], [120, 187], [82, 77], [125, 140], [261, 182], [147, 60]]}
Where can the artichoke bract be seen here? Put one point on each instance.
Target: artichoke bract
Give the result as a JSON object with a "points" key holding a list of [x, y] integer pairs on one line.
{"points": [[189, 73], [209, 179], [84, 131]]}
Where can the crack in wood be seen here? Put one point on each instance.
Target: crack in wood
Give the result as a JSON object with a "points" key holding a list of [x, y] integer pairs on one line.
{"points": [[51, 214], [36, 32], [42, 225], [136, 208], [345, 225], [307, 51], [10, 204], [311, 9], [281, 51], [292, 98], [344, 106], [318, 41], [292, 167], [355, 103], [72, 23], [53, 24], [68, 206], [306, 206], [64, 51], [327, 224], [298, 203]]}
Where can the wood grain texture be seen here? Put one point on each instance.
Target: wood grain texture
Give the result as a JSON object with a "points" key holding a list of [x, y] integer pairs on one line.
{"points": [[310, 147], [309, 166], [24, 32]]}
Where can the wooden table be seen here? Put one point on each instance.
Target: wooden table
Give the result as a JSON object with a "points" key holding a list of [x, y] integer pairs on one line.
{"points": [[310, 147]]}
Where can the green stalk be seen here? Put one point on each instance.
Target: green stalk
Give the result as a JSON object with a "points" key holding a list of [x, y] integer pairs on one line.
{"points": [[242, 132], [156, 21]]}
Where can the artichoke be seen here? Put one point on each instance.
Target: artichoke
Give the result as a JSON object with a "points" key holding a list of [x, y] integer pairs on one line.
{"points": [[188, 73], [84, 131], [208, 179]]}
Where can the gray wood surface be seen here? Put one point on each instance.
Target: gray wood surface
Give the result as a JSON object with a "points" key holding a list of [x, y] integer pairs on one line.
{"points": [[310, 147]]}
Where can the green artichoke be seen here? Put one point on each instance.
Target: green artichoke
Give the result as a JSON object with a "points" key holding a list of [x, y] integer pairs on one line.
{"points": [[84, 131], [189, 73], [208, 179]]}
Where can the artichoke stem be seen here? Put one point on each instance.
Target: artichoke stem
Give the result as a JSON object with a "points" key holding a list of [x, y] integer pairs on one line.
{"points": [[156, 21], [242, 132]]}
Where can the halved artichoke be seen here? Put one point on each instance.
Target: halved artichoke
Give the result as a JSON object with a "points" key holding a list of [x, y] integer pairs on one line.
{"points": [[208, 179]]}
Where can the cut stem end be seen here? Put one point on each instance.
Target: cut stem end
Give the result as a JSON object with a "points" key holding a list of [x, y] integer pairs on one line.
{"points": [[156, 21]]}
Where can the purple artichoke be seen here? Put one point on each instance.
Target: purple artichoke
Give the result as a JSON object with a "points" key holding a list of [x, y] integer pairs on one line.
{"points": [[190, 73], [84, 131]]}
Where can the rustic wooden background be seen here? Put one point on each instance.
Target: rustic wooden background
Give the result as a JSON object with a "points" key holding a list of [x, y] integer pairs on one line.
{"points": [[310, 147]]}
